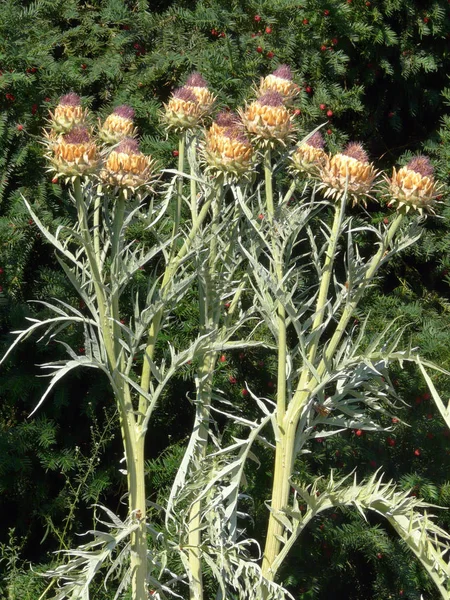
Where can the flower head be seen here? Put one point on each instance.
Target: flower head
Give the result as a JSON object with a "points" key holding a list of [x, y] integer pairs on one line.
{"points": [[280, 81], [118, 125], [198, 86], [74, 153], [348, 172], [225, 119], [67, 114], [413, 186], [267, 118], [183, 110], [310, 154], [127, 168], [227, 150]]}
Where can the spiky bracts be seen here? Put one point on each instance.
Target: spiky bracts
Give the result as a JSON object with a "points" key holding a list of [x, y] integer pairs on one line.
{"points": [[67, 114], [118, 125], [280, 81], [413, 187], [268, 119], [73, 154], [198, 86], [348, 172], [310, 155], [127, 168], [227, 150]]}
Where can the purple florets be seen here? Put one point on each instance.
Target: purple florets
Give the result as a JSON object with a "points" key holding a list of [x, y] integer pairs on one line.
{"points": [[70, 99], [128, 146], [236, 133], [283, 72], [271, 98], [421, 164], [316, 141], [78, 135], [196, 80], [227, 119], [124, 111], [185, 94], [355, 150]]}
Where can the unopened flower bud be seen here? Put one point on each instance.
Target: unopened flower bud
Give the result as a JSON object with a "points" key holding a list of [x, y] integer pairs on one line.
{"points": [[348, 172], [413, 187], [127, 168], [118, 125], [74, 154], [198, 86], [280, 81], [227, 150], [183, 110], [310, 155], [267, 118], [67, 114]]}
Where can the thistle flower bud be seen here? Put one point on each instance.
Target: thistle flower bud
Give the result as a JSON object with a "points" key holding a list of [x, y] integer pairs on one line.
{"points": [[127, 168], [118, 125], [227, 150], [198, 86], [183, 110], [413, 186], [267, 118], [310, 155], [67, 114], [74, 154], [348, 172], [280, 81]]}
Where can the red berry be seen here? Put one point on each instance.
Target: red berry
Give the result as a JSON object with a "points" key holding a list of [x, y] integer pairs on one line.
{"points": [[385, 220], [223, 358], [305, 21], [47, 99], [401, 592], [308, 89], [368, 3], [322, 106], [373, 464], [334, 41], [227, 305], [297, 112], [417, 452], [253, 35], [329, 131], [349, 1], [426, 19], [430, 436], [84, 66], [394, 420], [270, 384], [19, 127], [429, 416], [241, 356], [34, 109], [30, 221], [260, 216], [175, 153], [379, 555], [329, 113], [214, 32], [223, 34], [257, 18], [268, 30], [270, 54], [391, 114], [426, 396], [259, 49], [326, 12], [323, 48], [359, 432], [55, 180], [232, 379], [81, 350], [244, 392], [1, 270], [391, 442]]}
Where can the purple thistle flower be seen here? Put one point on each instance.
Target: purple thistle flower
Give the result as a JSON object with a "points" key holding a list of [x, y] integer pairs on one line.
{"points": [[316, 141], [196, 80], [283, 72], [421, 164], [355, 150], [271, 98], [236, 133], [78, 135], [128, 146], [70, 99], [227, 119], [124, 111], [185, 94]]}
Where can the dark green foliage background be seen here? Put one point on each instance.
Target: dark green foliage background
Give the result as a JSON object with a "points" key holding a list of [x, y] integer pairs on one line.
{"points": [[381, 68]]}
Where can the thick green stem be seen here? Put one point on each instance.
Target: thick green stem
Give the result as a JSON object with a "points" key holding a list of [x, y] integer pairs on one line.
{"points": [[194, 211], [179, 203]]}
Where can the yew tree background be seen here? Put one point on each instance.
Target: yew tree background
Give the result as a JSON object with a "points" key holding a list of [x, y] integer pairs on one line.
{"points": [[376, 72]]}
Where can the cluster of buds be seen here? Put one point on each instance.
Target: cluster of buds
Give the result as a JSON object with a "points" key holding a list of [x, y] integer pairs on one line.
{"points": [[73, 150], [227, 150], [413, 187], [189, 105], [310, 155], [268, 119], [348, 173], [280, 81]]}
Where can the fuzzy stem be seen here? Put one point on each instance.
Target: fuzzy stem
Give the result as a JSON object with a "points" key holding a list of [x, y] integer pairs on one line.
{"points": [[194, 211], [97, 223], [179, 203]]}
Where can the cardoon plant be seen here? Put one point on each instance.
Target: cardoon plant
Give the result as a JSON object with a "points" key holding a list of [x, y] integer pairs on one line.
{"points": [[266, 272]]}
